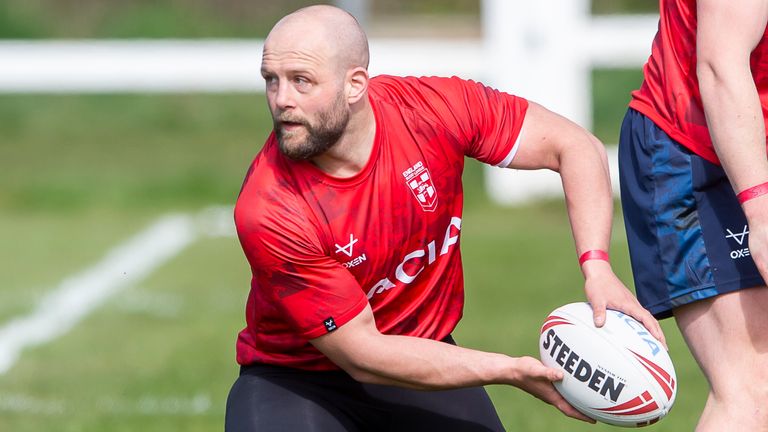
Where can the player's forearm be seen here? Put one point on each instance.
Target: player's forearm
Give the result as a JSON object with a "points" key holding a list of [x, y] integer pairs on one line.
{"points": [[550, 141], [428, 365], [735, 121], [369, 356], [587, 186]]}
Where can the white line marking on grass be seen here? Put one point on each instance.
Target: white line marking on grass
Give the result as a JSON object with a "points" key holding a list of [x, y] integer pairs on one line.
{"points": [[121, 267], [21, 403], [154, 405], [150, 303], [178, 405]]}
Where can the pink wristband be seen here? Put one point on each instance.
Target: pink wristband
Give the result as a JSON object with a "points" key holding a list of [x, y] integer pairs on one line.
{"points": [[593, 254], [753, 192]]}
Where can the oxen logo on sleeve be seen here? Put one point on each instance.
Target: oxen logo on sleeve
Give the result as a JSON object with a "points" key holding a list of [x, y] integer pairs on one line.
{"points": [[420, 182], [330, 324]]}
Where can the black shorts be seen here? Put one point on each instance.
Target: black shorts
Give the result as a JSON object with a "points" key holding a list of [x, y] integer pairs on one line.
{"points": [[274, 398]]}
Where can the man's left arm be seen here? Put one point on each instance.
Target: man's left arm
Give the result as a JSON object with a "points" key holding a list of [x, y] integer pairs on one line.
{"points": [[726, 35], [550, 141]]}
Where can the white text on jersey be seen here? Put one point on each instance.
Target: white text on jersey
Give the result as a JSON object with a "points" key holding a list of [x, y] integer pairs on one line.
{"points": [[354, 262], [400, 273]]}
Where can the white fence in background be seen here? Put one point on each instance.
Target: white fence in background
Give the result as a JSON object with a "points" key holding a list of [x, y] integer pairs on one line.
{"points": [[197, 65], [543, 50]]}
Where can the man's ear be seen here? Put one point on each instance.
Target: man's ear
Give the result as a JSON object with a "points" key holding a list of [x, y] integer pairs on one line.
{"points": [[357, 84]]}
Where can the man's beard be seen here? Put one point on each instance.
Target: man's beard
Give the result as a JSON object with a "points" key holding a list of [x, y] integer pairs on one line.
{"points": [[331, 124]]}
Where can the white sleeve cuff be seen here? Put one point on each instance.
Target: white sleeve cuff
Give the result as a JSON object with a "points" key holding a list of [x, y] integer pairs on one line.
{"points": [[508, 160]]}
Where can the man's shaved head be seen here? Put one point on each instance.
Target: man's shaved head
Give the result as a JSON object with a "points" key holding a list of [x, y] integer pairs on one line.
{"points": [[315, 67], [334, 30]]}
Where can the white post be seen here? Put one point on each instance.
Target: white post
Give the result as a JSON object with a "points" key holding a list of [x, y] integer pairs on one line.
{"points": [[544, 51], [360, 9], [533, 51]]}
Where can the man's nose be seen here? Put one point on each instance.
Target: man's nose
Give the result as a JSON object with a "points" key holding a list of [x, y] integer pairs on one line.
{"points": [[284, 97]]}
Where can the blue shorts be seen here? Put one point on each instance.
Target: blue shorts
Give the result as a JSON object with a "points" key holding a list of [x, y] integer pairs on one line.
{"points": [[688, 237]]}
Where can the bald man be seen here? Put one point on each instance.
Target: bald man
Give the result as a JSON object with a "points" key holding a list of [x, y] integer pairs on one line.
{"points": [[350, 218]]}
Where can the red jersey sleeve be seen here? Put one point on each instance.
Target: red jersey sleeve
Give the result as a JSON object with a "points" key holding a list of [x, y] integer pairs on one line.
{"points": [[294, 279], [485, 121]]}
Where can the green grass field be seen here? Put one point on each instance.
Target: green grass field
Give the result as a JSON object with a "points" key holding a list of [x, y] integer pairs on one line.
{"points": [[81, 174]]}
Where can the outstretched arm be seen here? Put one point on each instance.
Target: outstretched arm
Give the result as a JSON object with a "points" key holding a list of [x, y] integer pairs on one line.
{"points": [[369, 356], [726, 35], [551, 141]]}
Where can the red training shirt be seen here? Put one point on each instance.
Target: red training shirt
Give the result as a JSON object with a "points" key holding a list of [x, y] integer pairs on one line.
{"points": [[321, 247], [669, 95]]}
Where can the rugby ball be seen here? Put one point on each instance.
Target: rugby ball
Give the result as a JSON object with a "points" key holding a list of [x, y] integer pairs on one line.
{"points": [[617, 374]]}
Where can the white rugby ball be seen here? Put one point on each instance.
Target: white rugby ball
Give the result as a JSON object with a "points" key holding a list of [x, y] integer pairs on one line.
{"points": [[617, 374]]}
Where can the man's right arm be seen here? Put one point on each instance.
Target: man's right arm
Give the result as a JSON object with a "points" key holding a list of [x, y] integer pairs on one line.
{"points": [[369, 356], [727, 33]]}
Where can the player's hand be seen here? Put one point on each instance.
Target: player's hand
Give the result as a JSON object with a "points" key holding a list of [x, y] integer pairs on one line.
{"points": [[604, 290], [535, 378]]}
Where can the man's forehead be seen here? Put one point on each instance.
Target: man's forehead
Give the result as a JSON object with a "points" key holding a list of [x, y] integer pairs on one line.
{"points": [[293, 59], [294, 53]]}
